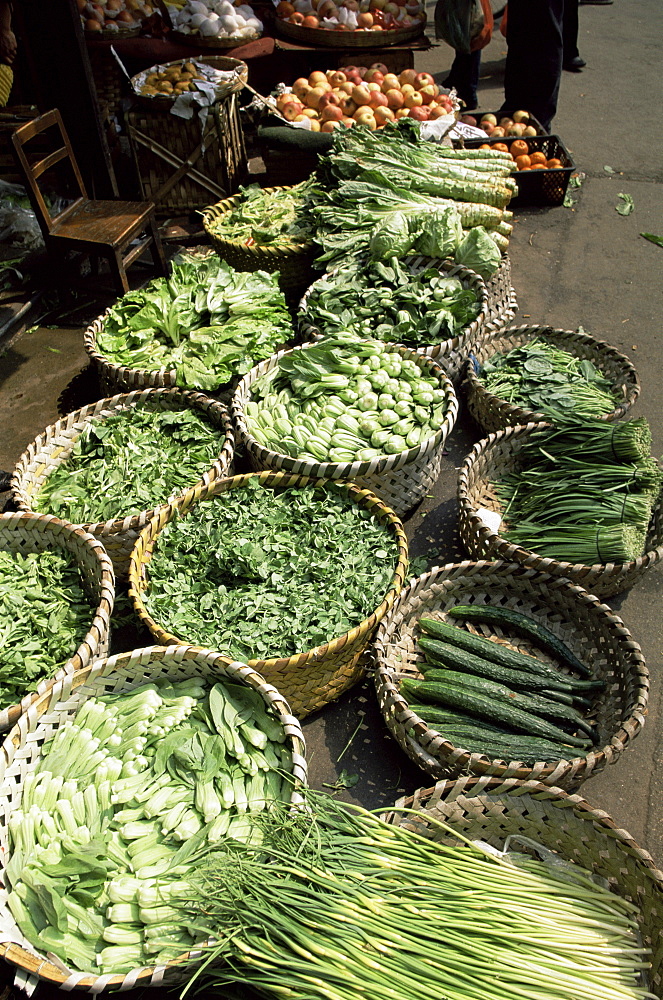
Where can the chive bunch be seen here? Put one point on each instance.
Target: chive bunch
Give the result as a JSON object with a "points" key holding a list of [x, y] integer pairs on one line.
{"points": [[583, 493], [339, 904]]}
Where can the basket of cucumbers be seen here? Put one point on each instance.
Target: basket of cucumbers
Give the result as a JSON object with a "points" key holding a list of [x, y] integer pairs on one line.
{"points": [[491, 668]]}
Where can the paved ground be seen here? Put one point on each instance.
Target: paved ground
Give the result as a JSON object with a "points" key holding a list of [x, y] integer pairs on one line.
{"points": [[582, 266]]}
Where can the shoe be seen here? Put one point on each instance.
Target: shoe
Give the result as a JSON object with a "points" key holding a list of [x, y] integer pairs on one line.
{"points": [[574, 65]]}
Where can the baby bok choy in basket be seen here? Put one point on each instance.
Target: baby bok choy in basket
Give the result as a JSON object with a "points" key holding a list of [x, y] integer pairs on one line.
{"points": [[125, 797]]}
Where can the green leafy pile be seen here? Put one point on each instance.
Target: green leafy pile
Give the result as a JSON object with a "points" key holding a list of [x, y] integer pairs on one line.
{"points": [[44, 617], [129, 462], [258, 573], [207, 321], [541, 377], [386, 301], [263, 217]]}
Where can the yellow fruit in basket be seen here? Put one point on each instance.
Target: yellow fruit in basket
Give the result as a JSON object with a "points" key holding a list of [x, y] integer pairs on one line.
{"points": [[149, 90], [312, 99], [317, 79], [315, 125], [530, 131], [390, 82], [301, 87], [309, 113]]}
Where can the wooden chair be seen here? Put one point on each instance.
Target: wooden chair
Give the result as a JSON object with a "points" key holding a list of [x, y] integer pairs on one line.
{"points": [[97, 229]]}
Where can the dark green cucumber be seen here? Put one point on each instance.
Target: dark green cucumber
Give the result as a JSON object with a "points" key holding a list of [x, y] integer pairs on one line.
{"points": [[486, 708], [522, 625], [538, 705], [445, 716], [454, 656], [566, 698]]}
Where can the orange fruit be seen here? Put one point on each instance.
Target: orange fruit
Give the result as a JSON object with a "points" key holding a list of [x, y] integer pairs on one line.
{"points": [[522, 162], [538, 157], [538, 166], [284, 8], [519, 148], [554, 163], [502, 146]]}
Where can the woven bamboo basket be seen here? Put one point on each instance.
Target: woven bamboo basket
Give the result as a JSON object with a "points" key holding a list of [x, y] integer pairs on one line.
{"points": [[55, 444], [204, 42], [223, 63], [401, 481], [311, 679], [293, 261], [21, 533], [120, 378], [497, 455], [594, 633], [502, 301], [493, 413], [493, 809], [366, 39], [452, 353], [21, 754]]}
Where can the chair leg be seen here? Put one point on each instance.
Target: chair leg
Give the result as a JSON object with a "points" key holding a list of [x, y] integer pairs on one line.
{"points": [[158, 254], [119, 273]]}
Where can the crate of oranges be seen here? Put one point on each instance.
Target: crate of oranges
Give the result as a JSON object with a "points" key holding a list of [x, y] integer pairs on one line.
{"points": [[542, 167]]}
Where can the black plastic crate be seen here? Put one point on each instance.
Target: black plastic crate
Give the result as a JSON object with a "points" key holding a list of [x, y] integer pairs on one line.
{"points": [[538, 187]]}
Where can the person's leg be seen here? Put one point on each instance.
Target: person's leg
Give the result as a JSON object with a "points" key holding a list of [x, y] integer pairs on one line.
{"points": [[570, 31], [534, 57], [464, 76]]}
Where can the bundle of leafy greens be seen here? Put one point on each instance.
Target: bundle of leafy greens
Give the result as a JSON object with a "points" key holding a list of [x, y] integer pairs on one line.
{"points": [[257, 572], [263, 217], [546, 379], [207, 321], [129, 462], [45, 616], [386, 301], [389, 193]]}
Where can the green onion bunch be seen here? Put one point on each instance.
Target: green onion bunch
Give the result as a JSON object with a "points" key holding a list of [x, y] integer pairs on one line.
{"points": [[542, 377], [339, 904], [583, 493]]}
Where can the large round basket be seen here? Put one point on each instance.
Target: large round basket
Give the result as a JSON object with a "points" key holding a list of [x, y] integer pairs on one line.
{"points": [[489, 461], [205, 42], [493, 809], [502, 301], [596, 635], [493, 413], [293, 261], [119, 378], [226, 64], [55, 444], [21, 534], [310, 679], [364, 39], [401, 480], [450, 354], [21, 754]]}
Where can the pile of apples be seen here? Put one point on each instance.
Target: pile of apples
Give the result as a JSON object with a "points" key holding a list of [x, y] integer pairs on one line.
{"points": [[518, 125], [113, 15], [352, 15], [369, 95]]}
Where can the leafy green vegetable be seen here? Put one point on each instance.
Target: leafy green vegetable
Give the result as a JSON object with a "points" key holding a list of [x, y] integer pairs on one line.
{"points": [[385, 300], [263, 217], [626, 206], [44, 617], [541, 377], [128, 462], [207, 321], [392, 237], [479, 252], [257, 572], [440, 233], [658, 240]]}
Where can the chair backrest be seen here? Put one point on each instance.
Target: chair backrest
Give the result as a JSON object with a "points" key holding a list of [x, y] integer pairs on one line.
{"points": [[51, 177]]}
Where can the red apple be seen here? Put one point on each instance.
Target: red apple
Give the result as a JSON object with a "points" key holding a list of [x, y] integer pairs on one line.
{"points": [[390, 82], [419, 114], [331, 113], [361, 94], [378, 100], [407, 76], [428, 93], [385, 69], [337, 78], [330, 99], [423, 80], [437, 111], [374, 75], [395, 99], [292, 109]]}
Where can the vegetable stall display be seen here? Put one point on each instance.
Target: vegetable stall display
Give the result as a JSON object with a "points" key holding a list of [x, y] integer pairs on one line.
{"points": [[133, 782], [264, 217], [202, 326]]}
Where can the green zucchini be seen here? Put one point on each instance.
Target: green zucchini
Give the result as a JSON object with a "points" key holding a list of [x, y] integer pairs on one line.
{"points": [[490, 650], [447, 655], [486, 708], [522, 625], [558, 713]]}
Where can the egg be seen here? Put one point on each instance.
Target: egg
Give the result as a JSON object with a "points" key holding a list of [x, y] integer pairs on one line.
{"points": [[198, 8], [254, 24]]}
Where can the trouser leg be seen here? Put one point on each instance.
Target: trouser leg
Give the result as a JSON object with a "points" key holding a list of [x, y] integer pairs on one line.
{"points": [[534, 57]]}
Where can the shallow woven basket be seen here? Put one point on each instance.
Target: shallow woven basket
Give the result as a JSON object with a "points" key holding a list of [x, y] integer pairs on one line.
{"points": [[493, 413], [55, 444], [224, 63], [497, 455], [329, 38], [493, 809], [310, 679], [23, 533], [596, 635], [452, 353], [293, 261], [502, 301], [401, 481], [21, 753]]}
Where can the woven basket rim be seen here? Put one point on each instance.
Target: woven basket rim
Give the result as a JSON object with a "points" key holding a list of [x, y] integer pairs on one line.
{"points": [[90, 344], [166, 101], [100, 615], [273, 251], [517, 414], [349, 39], [342, 470], [487, 785], [466, 335], [509, 551], [384, 675], [59, 692], [364, 497], [190, 398], [222, 44]]}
